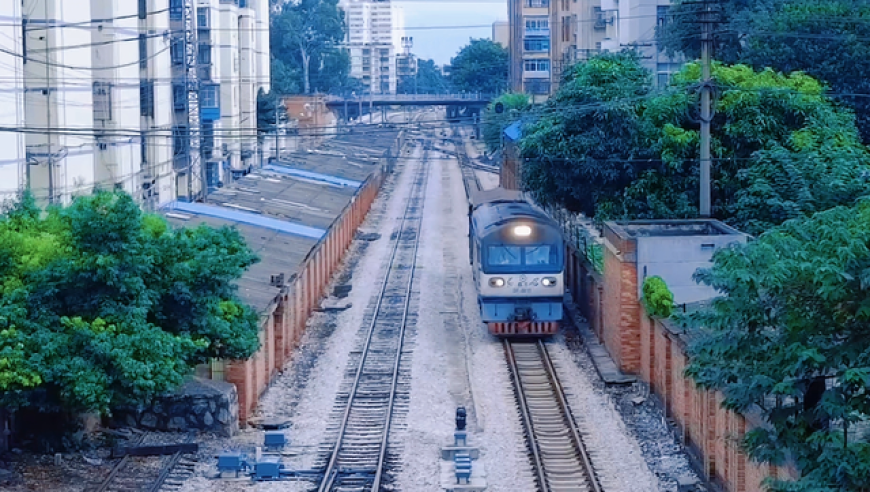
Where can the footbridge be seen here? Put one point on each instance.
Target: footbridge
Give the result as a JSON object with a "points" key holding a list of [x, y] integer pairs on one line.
{"points": [[458, 105]]}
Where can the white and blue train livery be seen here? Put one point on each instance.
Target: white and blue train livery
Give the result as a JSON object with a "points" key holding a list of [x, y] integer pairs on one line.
{"points": [[518, 256]]}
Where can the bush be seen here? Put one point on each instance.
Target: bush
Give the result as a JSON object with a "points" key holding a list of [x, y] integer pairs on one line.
{"points": [[657, 298]]}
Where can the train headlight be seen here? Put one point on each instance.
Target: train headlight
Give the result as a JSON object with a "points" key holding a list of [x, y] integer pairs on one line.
{"points": [[496, 282], [522, 231], [549, 281]]}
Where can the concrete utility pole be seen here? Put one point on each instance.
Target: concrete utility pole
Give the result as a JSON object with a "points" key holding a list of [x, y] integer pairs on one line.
{"points": [[706, 111]]}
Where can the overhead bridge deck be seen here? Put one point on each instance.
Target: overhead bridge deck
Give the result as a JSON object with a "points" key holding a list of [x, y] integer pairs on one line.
{"points": [[380, 100]]}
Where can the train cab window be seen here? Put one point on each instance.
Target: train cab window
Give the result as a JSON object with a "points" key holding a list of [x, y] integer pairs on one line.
{"points": [[538, 255], [505, 256]]}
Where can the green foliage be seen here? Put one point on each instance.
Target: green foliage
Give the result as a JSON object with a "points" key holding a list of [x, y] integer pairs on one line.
{"points": [[103, 305], [657, 298], [270, 112], [609, 145], [494, 123], [304, 38], [587, 132], [429, 79], [791, 336], [827, 39], [480, 66]]}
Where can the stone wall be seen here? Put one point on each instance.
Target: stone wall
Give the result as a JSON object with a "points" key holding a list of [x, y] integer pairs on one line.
{"points": [[201, 404]]}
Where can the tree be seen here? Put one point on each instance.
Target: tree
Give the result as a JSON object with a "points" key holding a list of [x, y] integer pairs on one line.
{"points": [[480, 66], [828, 39], [270, 112], [305, 38], [790, 336], [103, 305], [580, 150], [428, 80], [494, 123], [608, 145]]}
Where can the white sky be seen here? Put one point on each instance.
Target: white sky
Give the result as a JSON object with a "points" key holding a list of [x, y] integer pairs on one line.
{"points": [[443, 18]]}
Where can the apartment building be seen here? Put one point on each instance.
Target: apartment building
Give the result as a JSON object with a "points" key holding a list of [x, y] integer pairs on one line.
{"points": [[548, 36], [501, 33], [13, 162], [375, 29], [219, 63], [530, 36]]}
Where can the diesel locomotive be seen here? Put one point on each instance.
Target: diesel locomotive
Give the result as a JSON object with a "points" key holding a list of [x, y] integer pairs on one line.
{"points": [[518, 256]]}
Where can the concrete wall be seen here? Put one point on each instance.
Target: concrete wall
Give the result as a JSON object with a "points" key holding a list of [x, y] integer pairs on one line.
{"points": [[656, 352], [285, 326]]}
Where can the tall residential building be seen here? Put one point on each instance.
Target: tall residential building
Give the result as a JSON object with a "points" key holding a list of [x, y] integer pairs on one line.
{"points": [[129, 95], [548, 36], [530, 69], [13, 162], [374, 32]]}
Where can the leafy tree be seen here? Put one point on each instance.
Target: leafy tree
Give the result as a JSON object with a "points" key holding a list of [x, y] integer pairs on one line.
{"points": [[606, 144], [579, 150], [305, 39], [828, 40], [513, 106], [103, 305], [791, 336], [428, 80], [480, 66], [269, 112]]}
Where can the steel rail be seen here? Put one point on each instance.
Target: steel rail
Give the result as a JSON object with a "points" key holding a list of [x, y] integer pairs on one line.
{"points": [[539, 457], [330, 472]]}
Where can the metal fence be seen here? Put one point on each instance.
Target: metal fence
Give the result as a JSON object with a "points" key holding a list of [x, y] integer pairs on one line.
{"points": [[581, 234]]}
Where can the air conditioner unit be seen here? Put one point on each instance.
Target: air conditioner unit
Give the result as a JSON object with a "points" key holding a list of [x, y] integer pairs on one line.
{"points": [[600, 18]]}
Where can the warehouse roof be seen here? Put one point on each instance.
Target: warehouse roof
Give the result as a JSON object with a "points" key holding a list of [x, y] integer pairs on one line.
{"points": [[285, 208]]}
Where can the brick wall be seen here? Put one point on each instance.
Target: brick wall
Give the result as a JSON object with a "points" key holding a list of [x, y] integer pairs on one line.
{"points": [[283, 327], [509, 174], [656, 352]]}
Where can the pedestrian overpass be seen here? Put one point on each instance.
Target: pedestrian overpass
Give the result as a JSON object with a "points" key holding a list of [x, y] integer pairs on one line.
{"points": [[458, 105]]}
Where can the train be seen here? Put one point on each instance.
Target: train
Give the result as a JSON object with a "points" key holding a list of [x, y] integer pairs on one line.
{"points": [[517, 253]]}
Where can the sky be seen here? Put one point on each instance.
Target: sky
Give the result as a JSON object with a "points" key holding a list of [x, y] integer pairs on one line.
{"points": [[439, 34]]}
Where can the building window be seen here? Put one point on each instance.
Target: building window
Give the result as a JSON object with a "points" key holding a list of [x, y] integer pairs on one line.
{"points": [[143, 51], [203, 55], [600, 18], [143, 9], [202, 18], [537, 3], [541, 86], [102, 101], [143, 148], [536, 65], [146, 98], [536, 44], [179, 140], [179, 97], [662, 15], [176, 51], [209, 96], [207, 140], [176, 11], [541, 24]]}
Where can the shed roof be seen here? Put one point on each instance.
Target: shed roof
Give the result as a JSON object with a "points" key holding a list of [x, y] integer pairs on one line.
{"points": [[284, 209]]}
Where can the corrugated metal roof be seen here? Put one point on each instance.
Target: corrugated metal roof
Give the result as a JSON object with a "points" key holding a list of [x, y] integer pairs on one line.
{"points": [[323, 178], [247, 218], [514, 131]]}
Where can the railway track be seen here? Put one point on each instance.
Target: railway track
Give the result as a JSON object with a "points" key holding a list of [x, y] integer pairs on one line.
{"points": [[356, 462], [557, 452], [469, 177], [147, 474]]}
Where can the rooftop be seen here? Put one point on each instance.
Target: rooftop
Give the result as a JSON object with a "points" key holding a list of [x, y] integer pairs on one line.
{"points": [[673, 228], [284, 209]]}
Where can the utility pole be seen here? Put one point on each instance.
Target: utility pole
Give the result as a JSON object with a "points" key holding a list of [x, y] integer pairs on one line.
{"points": [[706, 111], [277, 135]]}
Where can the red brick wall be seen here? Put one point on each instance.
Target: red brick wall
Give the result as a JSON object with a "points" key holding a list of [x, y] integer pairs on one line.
{"points": [[509, 175], [284, 326], [644, 346]]}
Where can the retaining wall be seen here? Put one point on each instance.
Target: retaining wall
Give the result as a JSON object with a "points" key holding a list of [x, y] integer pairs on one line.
{"points": [[655, 351], [284, 327]]}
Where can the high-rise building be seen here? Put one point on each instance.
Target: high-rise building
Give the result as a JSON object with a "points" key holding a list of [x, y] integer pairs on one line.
{"points": [[153, 97], [548, 36], [501, 33], [375, 29]]}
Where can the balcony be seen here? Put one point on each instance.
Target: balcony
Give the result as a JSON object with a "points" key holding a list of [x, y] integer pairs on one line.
{"points": [[537, 31]]}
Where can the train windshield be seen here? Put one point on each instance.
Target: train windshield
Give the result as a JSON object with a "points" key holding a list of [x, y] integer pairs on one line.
{"points": [[544, 257]]}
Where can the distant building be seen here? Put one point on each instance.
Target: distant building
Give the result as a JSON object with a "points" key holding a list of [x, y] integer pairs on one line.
{"points": [[13, 161], [501, 33], [548, 36], [375, 29]]}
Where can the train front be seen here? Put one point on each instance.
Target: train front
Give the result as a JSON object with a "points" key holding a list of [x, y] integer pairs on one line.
{"points": [[521, 278]]}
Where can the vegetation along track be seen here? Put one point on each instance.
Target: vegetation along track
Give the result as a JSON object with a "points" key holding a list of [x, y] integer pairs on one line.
{"points": [[357, 460], [147, 474], [556, 448]]}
